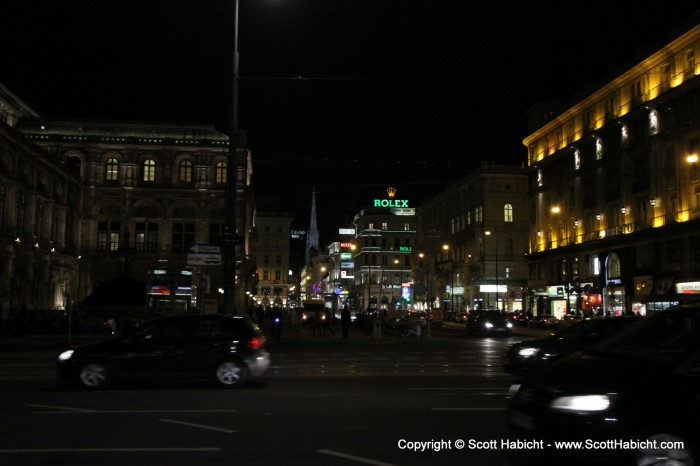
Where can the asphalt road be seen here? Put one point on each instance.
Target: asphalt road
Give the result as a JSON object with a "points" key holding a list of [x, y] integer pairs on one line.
{"points": [[388, 401]]}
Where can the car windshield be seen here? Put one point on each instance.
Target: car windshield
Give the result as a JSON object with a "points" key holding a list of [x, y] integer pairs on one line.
{"points": [[660, 337]]}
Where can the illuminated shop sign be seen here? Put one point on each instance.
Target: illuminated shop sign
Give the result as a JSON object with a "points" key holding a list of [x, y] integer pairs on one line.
{"points": [[688, 288], [345, 256], [391, 202]]}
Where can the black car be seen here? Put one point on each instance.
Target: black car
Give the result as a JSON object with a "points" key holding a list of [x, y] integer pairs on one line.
{"points": [[227, 350], [628, 396], [524, 355], [488, 323]]}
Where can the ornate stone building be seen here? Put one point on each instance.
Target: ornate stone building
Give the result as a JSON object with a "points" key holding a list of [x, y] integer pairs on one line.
{"points": [[86, 201]]}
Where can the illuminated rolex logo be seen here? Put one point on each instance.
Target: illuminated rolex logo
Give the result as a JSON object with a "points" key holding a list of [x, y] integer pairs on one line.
{"points": [[391, 202]]}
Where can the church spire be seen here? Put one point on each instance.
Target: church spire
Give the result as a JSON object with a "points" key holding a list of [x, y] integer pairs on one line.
{"points": [[312, 235]]}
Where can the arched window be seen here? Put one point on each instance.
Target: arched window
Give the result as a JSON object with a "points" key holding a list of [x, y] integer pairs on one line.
{"points": [[613, 268], [149, 170], [185, 171], [508, 213], [112, 169], [221, 172]]}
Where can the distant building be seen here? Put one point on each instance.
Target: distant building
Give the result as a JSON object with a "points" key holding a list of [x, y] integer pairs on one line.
{"points": [[385, 237], [472, 240], [615, 190], [272, 247]]}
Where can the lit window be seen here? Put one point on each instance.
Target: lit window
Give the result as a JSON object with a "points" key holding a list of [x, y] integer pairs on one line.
{"points": [[653, 122], [508, 213], [149, 170], [185, 171], [221, 172], [599, 149], [112, 170]]}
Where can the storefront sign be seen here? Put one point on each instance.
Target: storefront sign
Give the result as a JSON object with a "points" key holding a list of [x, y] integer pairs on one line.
{"points": [[688, 288], [391, 202]]}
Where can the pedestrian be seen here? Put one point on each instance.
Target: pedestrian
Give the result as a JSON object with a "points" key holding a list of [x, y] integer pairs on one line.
{"points": [[316, 324], [327, 322], [345, 320], [276, 324]]}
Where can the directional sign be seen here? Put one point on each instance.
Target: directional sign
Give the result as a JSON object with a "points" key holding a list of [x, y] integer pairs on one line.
{"points": [[205, 249], [204, 254]]}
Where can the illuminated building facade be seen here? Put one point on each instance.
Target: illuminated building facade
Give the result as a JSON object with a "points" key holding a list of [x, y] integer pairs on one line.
{"points": [[272, 246], [385, 238], [472, 239], [615, 190]]}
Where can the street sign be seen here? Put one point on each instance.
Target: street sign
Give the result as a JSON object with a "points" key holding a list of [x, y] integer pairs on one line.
{"points": [[204, 254]]}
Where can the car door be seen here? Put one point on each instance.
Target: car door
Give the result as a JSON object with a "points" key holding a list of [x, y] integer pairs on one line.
{"points": [[156, 349]]}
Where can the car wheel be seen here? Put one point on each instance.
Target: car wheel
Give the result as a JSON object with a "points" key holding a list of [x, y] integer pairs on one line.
{"points": [[95, 375], [658, 456], [231, 374]]}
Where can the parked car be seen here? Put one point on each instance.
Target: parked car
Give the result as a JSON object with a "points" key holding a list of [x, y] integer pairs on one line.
{"points": [[522, 356], [639, 385], [227, 350], [488, 323], [460, 318]]}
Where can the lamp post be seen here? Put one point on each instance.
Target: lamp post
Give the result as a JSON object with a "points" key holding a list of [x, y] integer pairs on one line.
{"points": [[230, 233], [495, 240]]}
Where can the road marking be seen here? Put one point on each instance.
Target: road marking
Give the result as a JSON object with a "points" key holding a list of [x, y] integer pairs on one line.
{"points": [[359, 459], [64, 408], [458, 388], [199, 426], [468, 409], [101, 450]]}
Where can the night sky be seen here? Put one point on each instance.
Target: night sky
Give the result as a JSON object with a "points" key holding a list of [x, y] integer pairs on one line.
{"points": [[345, 96]]}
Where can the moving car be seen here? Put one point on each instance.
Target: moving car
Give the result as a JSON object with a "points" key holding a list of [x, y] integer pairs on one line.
{"points": [[635, 391], [488, 323], [227, 350], [543, 321], [313, 312], [522, 356]]}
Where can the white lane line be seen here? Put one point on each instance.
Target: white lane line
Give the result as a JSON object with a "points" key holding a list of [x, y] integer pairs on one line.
{"points": [[199, 426], [137, 411], [359, 459], [458, 388], [468, 409], [101, 450], [63, 408]]}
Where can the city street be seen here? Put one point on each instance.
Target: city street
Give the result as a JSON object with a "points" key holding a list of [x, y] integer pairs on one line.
{"points": [[332, 401]]}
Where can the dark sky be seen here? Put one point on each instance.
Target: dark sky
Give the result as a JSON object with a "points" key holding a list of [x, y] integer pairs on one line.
{"points": [[347, 96]]}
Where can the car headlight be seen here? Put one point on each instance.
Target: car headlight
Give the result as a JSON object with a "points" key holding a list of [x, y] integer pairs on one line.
{"points": [[509, 325], [65, 356], [528, 352], [488, 325], [581, 403]]}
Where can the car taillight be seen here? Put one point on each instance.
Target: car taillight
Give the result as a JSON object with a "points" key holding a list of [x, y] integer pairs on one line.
{"points": [[255, 343]]}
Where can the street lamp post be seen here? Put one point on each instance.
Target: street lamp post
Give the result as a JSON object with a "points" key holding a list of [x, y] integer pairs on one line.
{"points": [[230, 233], [495, 240], [427, 289]]}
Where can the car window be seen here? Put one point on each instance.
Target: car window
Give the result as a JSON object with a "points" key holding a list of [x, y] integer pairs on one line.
{"points": [[661, 337], [162, 331]]}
